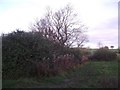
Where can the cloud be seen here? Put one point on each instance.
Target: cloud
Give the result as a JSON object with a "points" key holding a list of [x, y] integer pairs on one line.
{"points": [[111, 24], [99, 15]]}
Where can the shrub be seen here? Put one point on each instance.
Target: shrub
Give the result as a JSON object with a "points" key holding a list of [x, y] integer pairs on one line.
{"points": [[76, 52], [27, 54], [21, 49], [104, 54]]}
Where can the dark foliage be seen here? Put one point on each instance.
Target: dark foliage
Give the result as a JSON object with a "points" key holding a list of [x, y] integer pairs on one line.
{"points": [[30, 54], [119, 50], [76, 52], [21, 49], [104, 54]]}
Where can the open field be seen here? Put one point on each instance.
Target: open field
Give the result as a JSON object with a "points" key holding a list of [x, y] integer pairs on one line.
{"points": [[92, 74], [93, 50]]}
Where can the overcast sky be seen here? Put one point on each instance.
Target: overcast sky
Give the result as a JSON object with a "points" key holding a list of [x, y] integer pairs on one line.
{"points": [[100, 16]]}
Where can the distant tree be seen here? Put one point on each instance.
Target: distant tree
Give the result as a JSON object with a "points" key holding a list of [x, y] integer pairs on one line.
{"points": [[106, 47], [62, 26], [112, 47]]}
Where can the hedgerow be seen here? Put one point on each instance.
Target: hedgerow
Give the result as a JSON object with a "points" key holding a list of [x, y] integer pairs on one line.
{"points": [[26, 54], [104, 54]]}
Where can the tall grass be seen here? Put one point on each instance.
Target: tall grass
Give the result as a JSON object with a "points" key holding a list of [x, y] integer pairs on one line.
{"points": [[97, 74]]}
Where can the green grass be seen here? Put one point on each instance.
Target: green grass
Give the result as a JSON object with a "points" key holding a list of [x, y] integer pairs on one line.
{"points": [[93, 74]]}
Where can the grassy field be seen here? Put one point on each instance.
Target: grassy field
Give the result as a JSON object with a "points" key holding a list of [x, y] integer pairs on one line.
{"points": [[92, 74], [93, 50]]}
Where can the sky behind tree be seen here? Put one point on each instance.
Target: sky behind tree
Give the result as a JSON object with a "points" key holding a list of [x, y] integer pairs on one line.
{"points": [[100, 16]]}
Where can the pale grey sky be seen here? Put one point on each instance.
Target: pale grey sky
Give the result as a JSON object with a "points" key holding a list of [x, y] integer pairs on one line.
{"points": [[100, 16]]}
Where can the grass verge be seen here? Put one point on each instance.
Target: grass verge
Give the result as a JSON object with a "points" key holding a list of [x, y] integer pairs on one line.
{"points": [[92, 74]]}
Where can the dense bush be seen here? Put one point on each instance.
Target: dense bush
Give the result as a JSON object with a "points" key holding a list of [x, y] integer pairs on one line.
{"points": [[76, 52], [23, 52], [104, 54], [21, 48]]}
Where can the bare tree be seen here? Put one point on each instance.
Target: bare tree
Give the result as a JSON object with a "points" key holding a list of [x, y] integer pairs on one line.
{"points": [[62, 26]]}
